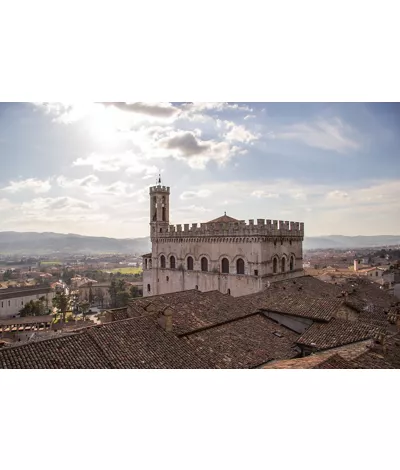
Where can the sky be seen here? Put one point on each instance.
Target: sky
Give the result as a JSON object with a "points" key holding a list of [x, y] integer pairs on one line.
{"points": [[86, 168]]}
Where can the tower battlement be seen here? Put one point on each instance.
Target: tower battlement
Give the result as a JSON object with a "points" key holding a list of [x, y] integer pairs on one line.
{"points": [[277, 228], [159, 188]]}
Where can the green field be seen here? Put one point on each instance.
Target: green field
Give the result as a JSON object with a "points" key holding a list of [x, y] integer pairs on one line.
{"points": [[48, 263], [129, 270]]}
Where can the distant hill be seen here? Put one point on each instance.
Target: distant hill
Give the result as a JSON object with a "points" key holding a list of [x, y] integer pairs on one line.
{"points": [[342, 241], [33, 243]]}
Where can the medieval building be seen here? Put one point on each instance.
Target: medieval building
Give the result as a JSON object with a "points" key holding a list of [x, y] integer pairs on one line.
{"points": [[225, 254]]}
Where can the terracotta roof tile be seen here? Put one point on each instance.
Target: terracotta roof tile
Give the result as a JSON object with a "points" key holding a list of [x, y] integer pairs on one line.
{"points": [[336, 333], [334, 362], [134, 343], [223, 219], [246, 342], [348, 353]]}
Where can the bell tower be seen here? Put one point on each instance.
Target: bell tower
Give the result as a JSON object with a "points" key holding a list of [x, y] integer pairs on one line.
{"points": [[159, 209]]}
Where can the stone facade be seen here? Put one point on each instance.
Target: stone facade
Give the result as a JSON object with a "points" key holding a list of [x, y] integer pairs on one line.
{"points": [[12, 300], [226, 254]]}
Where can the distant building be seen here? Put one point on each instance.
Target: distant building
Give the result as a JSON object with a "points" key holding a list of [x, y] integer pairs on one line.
{"points": [[12, 300]]}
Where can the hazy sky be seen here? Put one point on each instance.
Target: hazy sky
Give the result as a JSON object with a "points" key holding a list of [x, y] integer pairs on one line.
{"points": [[86, 168]]}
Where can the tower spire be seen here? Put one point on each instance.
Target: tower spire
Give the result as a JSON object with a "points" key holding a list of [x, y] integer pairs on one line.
{"points": [[159, 178]]}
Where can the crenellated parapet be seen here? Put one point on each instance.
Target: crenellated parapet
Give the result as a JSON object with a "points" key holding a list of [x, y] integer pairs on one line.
{"points": [[262, 227], [159, 189]]}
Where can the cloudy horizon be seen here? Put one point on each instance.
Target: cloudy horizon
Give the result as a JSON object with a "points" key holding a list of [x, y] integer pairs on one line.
{"points": [[86, 168]]}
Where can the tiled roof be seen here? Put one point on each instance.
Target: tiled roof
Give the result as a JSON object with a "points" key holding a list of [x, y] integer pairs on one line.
{"points": [[348, 352], [27, 320], [223, 219], [335, 333], [193, 309], [334, 362], [243, 343], [134, 343], [12, 293], [371, 360], [75, 351], [296, 303], [118, 314]]}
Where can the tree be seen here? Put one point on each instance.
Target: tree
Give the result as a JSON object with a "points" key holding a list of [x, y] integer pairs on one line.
{"points": [[134, 291], [32, 308], [99, 294], [84, 308], [113, 293], [122, 299], [90, 295], [62, 302], [7, 275], [118, 293]]}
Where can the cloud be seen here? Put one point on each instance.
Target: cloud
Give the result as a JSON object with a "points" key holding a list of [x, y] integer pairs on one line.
{"points": [[328, 135], [189, 147], [239, 133], [150, 109], [85, 182], [62, 203], [198, 107], [115, 162], [202, 193], [260, 194], [190, 209], [30, 184], [337, 195], [5, 205], [186, 143], [299, 196]]}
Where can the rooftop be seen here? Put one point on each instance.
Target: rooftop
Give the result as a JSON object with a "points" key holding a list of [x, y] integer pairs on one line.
{"points": [[244, 343], [224, 219], [136, 343], [336, 333], [27, 320], [13, 292]]}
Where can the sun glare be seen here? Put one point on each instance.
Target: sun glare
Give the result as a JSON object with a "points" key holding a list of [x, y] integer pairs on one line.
{"points": [[103, 125]]}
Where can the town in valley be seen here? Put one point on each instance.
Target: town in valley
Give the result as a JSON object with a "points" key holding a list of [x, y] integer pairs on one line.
{"points": [[201, 286]]}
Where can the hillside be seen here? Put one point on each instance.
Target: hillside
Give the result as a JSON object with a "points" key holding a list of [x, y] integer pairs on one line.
{"points": [[33, 243], [343, 242]]}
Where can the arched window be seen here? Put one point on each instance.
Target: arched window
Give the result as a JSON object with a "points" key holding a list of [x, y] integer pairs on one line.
{"points": [[162, 261], [204, 264], [150, 263], [225, 266], [291, 263], [145, 264], [172, 262], [197, 287], [275, 265], [163, 209], [228, 292], [240, 266], [148, 287], [283, 264], [190, 263], [154, 208]]}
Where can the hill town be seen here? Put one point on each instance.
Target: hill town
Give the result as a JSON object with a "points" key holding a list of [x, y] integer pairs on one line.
{"points": [[224, 293]]}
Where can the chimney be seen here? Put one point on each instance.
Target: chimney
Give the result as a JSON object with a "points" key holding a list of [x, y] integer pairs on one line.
{"points": [[356, 265], [165, 319]]}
